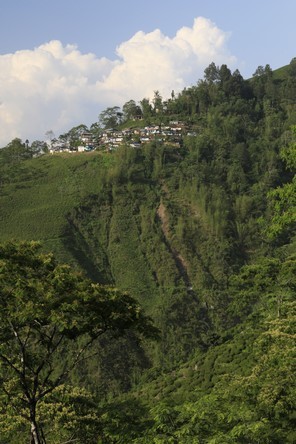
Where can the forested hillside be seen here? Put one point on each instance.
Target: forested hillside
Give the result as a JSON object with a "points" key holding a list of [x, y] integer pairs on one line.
{"points": [[202, 234]]}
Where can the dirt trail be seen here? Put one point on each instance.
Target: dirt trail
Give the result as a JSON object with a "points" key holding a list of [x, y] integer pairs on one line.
{"points": [[178, 258]]}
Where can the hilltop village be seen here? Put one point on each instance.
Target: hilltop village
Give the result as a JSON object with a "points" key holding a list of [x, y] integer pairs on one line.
{"points": [[111, 139]]}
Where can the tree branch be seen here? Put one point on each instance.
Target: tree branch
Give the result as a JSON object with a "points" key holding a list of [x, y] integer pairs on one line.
{"points": [[78, 358]]}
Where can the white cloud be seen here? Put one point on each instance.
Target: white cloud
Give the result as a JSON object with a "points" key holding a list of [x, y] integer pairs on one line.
{"points": [[55, 87]]}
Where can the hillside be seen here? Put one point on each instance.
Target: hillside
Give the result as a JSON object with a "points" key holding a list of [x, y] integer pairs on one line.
{"points": [[37, 194], [202, 234]]}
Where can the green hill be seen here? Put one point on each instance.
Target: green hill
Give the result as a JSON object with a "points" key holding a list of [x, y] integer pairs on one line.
{"points": [[202, 233], [37, 194]]}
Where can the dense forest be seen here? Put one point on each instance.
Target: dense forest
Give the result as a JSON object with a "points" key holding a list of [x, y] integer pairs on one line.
{"points": [[200, 234]]}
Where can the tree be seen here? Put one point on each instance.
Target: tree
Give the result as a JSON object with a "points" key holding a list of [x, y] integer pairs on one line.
{"points": [[157, 102], [15, 151], [131, 110], [225, 78], [146, 108], [44, 307], [50, 137], [38, 147], [110, 117], [262, 78], [282, 200], [211, 73], [73, 137]]}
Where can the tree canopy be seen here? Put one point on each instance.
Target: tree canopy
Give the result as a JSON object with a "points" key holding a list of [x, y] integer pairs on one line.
{"points": [[43, 307]]}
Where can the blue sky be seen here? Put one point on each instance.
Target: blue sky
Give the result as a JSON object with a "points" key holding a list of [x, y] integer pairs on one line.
{"points": [[63, 61]]}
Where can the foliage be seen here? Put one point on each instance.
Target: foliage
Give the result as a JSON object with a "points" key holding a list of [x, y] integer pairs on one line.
{"points": [[110, 117], [43, 307], [37, 194], [15, 151], [202, 233], [283, 199], [131, 110]]}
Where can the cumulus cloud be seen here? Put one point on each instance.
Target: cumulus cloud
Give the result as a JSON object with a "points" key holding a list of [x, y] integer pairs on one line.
{"points": [[55, 86]]}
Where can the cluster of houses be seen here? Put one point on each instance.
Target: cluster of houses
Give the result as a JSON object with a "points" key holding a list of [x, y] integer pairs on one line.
{"points": [[111, 139]]}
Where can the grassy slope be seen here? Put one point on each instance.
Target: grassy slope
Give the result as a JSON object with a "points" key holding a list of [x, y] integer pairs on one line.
{"points": [[281, 73], [40, 192]]}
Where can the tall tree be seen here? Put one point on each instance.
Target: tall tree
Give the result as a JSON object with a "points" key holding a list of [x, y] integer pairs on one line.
{"points": [[110, 117], [157, 102], [131, 110], [282, 200], [44, 307], [211, 73], [15, 151], [38, 147], [146, 108]]}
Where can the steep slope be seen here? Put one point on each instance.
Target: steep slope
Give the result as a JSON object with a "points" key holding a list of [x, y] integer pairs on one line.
{"points": [[203, 234], [37, 194]]}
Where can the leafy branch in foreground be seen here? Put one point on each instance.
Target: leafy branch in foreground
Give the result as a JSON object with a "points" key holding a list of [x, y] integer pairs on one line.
{"points": [[44, 306]]}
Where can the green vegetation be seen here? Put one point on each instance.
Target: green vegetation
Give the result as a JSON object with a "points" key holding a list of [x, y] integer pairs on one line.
{"points": [[44, 308], [202, 234], [37, 194]]}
